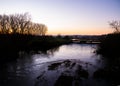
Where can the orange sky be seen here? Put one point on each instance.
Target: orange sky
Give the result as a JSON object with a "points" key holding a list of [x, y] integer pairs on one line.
{"points": [[89, 31]]}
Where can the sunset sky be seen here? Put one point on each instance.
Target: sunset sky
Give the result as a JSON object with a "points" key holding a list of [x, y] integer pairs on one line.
{"points": [[81, 17]]}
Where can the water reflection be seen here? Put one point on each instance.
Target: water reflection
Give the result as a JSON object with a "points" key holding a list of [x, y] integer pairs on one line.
{"points": [[62, 73], [74, 63]]}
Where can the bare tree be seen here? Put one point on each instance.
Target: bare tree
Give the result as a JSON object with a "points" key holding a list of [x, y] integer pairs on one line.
{"points": [[115, 25], [4, 24], [14, 22], [24, 21], [40, 29], [43, 29], [19, 22]]}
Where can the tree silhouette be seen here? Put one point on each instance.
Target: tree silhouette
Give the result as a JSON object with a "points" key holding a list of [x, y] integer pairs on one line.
{"points": [[40, 29], [115, 25]]}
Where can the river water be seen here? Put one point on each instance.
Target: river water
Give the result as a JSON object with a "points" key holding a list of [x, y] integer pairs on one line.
{"points": [[67, 65]]}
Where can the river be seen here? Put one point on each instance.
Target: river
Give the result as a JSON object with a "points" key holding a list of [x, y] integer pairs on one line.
{"points": [[67, 65]]}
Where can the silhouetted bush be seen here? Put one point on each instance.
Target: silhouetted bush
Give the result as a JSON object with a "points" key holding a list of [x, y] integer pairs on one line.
{"points": [[109, 48], [110, 45]]}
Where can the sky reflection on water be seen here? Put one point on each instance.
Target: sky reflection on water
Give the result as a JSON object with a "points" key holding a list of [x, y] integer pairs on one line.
{"points": [[48, 68]]}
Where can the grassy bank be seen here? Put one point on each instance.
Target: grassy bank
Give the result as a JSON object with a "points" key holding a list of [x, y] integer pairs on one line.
{"points": [[11, 44]]}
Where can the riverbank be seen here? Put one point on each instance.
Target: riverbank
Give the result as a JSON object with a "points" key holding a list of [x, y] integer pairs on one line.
{"points": [[11, 44], [109, 48]]}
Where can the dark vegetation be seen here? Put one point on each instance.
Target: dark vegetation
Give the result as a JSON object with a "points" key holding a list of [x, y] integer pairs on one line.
{"points": [[109, 48], [110, 45], [19, 33]]}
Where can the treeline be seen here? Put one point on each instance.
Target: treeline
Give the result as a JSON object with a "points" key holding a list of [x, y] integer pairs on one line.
{"points": [[20, 24]]}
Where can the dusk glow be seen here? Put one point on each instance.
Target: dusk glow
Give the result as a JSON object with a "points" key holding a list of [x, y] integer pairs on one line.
{"points": [[86, 17]]}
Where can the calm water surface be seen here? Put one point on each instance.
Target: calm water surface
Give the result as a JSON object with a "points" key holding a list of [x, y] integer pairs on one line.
{"points": [[71, 65]]}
